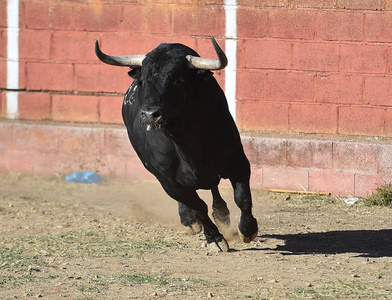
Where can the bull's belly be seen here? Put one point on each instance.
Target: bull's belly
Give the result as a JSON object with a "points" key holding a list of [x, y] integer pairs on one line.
{"points": [[198, 179]]}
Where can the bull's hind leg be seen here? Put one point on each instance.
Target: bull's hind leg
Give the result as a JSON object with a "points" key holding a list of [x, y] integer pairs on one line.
{"points": [[239, 178], [190, 199], [220, 212]]}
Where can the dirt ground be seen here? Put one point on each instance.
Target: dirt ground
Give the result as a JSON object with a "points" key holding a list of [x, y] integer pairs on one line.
{"points": [[121, 240]]}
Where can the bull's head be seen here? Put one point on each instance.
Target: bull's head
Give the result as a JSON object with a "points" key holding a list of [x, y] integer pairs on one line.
{"points": [[166, 78]]}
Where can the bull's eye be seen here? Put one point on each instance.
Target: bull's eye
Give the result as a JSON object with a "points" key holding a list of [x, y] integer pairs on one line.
{"points": [[178, 82]]}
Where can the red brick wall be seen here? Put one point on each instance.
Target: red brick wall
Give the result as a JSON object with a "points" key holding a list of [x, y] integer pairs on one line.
{"points": [[303, 66], [306, 68]]}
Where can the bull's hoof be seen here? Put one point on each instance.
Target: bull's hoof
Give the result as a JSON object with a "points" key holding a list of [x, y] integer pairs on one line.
{"points": [[216, 247], [247, 229], [247, 239], [194, 228]]}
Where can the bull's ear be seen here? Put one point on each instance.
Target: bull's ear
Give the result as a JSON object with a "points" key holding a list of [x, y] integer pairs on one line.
{"points": [[135, 73]]}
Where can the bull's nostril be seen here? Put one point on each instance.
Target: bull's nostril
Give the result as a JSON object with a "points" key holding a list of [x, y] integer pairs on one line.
{"points": [[156, 114]]}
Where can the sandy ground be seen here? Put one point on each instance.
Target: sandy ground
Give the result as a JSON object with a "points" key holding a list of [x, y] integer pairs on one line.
{"points": [[121, 240]]}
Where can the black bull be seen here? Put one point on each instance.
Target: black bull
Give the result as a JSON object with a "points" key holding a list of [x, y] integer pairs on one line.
{"points": [[180, 126]]}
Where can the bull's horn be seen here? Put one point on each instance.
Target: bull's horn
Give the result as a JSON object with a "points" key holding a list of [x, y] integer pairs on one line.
{"points": [[122, 61], [209, 64]]}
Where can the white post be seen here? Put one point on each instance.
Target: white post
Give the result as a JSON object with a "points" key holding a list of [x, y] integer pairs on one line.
{"points": [[12, 58], [231, 53]]}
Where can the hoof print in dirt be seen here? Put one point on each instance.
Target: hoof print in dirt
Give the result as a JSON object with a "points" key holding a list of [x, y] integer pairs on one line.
{"points": [[216, 247]]}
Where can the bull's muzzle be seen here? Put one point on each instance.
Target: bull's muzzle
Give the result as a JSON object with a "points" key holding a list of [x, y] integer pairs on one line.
{"points": [[150, 118]]}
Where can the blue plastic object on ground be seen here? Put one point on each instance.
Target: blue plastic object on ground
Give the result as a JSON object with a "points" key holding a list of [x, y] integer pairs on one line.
{"points": [[84, 177]]}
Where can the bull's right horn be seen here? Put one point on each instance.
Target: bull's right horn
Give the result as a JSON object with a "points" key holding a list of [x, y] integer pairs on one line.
{"points": [[202, 63], [131, 61]]}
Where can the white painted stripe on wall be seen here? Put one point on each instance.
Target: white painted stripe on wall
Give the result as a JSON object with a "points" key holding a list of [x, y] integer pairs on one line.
{"points": [[231, 53], [12, 58]]}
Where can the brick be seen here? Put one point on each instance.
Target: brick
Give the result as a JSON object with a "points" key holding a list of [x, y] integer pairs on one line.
{"points": [[336, 183], [339, 88], [314, 4], [135, 171], [133, 19], [253, 22], [198, 20], [3, 74], [113, 167], [155, 40], [2, 105], [364, 58], [388, 123], [360, 120], [35, 14], [34, 44], [3, 43], [34, 106], [3, 15], [101, 17], [313, 118], [157, 18], [356, 157], [75, 108], [35, 139], [378, 91], [101, 78], [265, 3], [70, 46], [309, 153], [121, 44], [203, 46], [316, 56], [285, 178], [49, 76], [110, 109], [340, 25], [256, 177], [264, 54], [116, 143], [260, 115], [250, 84], [378, 27], [361, 5], [80, 141], [265, 151], [22, 75], [18, 162], [288, 87], [365, 185], [61, 15], [292, 24], [385, 159]]}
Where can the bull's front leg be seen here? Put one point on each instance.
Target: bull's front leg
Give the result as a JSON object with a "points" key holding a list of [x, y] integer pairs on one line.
{"points": [[196, 207], [239, 178], [247, 227]]}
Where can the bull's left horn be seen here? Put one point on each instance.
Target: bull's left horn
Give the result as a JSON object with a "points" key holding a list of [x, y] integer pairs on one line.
{"points": [[122, 61], [209, 64]]}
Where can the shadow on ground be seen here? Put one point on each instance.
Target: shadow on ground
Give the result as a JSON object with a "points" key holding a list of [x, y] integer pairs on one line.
{"points": [[366, 243]]}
